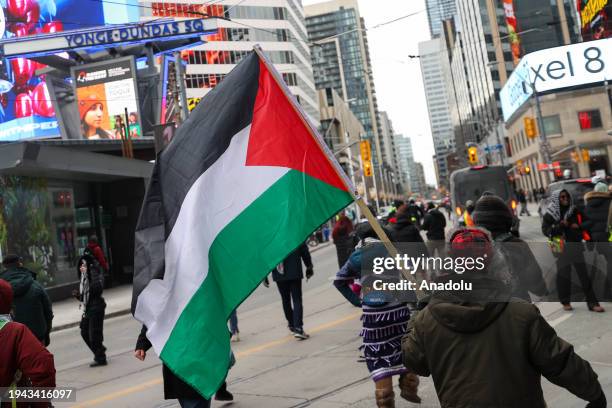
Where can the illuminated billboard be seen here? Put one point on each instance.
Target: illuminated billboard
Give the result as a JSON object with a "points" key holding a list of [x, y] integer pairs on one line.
{"points": [[26, 109], [105, 91], [595, 19], [554, 69]]}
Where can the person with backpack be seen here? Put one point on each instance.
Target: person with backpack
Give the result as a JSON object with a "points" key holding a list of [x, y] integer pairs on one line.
{"points": [[383, 324], [32, 304], [96, 250], [484, 349], [562, 224], [91, 286], [598, 214], [493, 214], [24, 361]]}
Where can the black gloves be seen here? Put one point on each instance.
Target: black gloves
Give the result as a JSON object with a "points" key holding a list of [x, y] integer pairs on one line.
{"points": [[309, 272], [599, 402]]}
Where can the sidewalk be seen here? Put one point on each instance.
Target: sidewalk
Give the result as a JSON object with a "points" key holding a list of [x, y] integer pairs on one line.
{"points": [[67, 313], [118, 302]]}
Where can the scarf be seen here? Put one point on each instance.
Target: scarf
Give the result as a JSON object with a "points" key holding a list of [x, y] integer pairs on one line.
{"points": [[554, 208], [84, 289]]}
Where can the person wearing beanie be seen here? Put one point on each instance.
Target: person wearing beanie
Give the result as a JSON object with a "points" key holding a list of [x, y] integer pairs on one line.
{"points": [[21, 351], [461, 339], [598, 222], [91, 113], [494, 215]]}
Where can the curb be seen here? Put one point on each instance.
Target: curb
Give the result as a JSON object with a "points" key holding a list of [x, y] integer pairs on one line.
{"points": [[116, 313]]}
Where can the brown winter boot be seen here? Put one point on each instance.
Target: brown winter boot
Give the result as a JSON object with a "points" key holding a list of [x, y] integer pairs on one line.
{"points": [[385, 398], [409, 386]]}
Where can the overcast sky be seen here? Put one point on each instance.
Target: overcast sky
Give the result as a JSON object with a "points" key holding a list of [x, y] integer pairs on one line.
{"points": [[398, 81]]}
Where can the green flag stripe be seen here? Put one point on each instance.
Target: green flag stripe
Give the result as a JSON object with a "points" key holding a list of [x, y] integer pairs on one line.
{"points": [[247, 249]]}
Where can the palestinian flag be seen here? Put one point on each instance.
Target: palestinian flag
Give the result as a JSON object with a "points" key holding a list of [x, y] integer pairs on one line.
{"points": [[244, 182]]}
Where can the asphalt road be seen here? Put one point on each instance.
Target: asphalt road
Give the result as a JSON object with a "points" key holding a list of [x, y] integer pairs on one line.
{"points": [[275, 370]]}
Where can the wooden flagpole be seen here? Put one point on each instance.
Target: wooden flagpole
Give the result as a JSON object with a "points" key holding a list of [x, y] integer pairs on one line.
{"points": [[378, 229]]}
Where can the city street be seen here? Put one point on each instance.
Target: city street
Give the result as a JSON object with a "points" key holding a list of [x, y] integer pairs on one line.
{"points": [[275, 370]]}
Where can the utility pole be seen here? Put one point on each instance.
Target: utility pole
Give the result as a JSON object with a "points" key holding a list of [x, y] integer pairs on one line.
{"points": [[544, 146], [180, 84]]}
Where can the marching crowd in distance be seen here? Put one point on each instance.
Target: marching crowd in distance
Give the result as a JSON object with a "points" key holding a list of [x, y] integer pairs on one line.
{"points": [[485, 353]]}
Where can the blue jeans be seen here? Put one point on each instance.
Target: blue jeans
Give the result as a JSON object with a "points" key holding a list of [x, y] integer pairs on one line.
{"points": [[194, 403], [233, 319]]}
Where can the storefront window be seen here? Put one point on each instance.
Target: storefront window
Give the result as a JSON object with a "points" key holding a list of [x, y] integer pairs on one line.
{"points": [[25, 224], [590, 119]]}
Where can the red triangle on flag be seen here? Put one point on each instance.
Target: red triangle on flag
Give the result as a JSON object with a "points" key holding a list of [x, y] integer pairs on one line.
{"points": [[279, 137]]}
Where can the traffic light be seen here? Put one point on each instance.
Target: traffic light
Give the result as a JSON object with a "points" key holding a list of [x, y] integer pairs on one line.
{"points": [[531, 129], [585, 155], [527, 169], [367, 168], [366, 152], [575, 157], [473, 155]]}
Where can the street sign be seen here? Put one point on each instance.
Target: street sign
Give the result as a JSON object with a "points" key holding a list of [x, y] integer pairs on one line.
{"points": [[494, 147], [366, 152]]}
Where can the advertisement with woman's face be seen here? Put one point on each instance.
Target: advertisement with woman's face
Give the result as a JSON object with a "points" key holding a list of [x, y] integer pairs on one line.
{"points": [[106, 92]]}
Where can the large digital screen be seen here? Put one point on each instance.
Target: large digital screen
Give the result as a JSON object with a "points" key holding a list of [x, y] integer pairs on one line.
{"points": [[105, 92], [557, 68], [595, 19], [26, 109]]}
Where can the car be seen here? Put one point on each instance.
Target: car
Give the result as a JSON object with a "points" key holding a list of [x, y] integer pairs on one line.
{"points": [[576, 187]]}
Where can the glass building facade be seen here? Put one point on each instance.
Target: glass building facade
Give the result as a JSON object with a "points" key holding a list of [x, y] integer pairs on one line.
{"points": [[340, 60], [278, 26], [437, 12]]}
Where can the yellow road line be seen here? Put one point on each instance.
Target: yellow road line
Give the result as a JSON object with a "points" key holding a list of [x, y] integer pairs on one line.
{"points": [[247, 352]]}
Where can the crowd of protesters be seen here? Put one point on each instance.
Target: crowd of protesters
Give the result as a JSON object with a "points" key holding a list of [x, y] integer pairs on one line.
{"points": [[447, 335]]}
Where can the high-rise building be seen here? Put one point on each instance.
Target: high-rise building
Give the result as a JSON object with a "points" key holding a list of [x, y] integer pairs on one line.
{"points": [[437, 12], [278, 26], [417, 182], [388, 150], [488, 40], [405, 160], [340, 60], [435, 67]]}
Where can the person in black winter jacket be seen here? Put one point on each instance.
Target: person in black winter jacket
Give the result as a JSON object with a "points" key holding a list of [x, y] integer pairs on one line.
{"points": [[32, 304], [493, 214], [91, 286], [434, 223], [598, 204], [288, 276], [562, 224]]}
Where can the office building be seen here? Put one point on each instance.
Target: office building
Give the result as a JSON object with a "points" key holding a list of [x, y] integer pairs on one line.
{"points": [[340, 60], [437, 12], [485, 42], [278, 26], [405, 160], [435, 67]]}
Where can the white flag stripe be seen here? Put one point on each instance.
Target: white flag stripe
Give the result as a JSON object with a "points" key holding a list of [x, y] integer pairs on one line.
{"points": [[219, 195]]}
